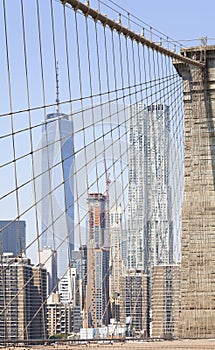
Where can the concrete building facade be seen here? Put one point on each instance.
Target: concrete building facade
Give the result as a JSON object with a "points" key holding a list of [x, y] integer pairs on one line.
{"points": [[48, 258], [165, 301], [69, 287], [97, 308], [117, 268], [80, 263], [157, 194], [150, 240], [23, 292], [133, 301], [135, 234], [62, 318], [150, 217]]}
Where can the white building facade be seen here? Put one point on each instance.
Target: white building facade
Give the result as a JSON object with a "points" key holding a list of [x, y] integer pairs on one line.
{"points": [[150, 240]]}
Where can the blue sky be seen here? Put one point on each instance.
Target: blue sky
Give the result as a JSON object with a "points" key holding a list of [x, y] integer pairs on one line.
{"points": [[183, 19]]}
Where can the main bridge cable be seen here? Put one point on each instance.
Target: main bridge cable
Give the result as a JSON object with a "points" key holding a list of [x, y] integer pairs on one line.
{"points": [[97, 16], [134, 20]]}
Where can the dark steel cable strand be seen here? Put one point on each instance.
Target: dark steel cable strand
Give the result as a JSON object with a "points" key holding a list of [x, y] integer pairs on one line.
{"points": [[139, 134], [126, 150], [13, 145], [93, 117], [31, 144], [70, 97], [50, 166], [82, 113], [44, 103], [70, 94], [179, 144], [129, 82], [133, 304], [159, 148], [113, 61], [116, 200], [122, 177], [68, 235]]}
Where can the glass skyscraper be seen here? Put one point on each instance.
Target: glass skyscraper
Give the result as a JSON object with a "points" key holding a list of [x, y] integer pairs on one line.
{"points": [[58, 188], [12, 237]]}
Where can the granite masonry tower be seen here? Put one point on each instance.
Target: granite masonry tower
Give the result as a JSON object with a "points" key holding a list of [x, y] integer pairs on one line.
{"points": [[197, 317]]}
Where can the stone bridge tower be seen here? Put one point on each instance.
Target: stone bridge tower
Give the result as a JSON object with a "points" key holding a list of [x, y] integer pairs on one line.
{"points": [[197, 317]]}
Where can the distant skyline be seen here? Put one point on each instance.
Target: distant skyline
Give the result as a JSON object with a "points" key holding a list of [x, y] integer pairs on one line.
{"points": [[39, 88]]}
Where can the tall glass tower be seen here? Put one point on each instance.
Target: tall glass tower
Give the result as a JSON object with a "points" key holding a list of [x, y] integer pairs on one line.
{"points": [[58, 188], [12, 237]]}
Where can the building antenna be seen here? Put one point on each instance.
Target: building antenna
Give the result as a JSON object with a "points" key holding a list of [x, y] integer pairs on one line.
{"points": [[57, 89]]}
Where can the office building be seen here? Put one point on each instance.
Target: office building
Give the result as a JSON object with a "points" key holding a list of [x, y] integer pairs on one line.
{"points": [[116, 263], [135, 232], [69, 287], [133, 301], [62, 318], [80, 263], [13, 237], [151, 215], [57, 187], [97, 309], [59, 319], [158, 187], [48, 258], [165, 301], [22, 299], [124, 246], [150, 225], [97, 218]]}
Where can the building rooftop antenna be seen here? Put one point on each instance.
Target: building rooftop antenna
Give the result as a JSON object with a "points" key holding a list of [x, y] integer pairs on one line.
{"points": [[57, 89]]}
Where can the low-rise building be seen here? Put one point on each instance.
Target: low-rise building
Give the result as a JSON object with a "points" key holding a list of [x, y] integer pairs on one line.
{"points": [[62, 318]]}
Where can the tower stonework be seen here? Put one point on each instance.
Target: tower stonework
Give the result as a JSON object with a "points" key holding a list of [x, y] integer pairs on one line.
{"points": [[197, 316]]}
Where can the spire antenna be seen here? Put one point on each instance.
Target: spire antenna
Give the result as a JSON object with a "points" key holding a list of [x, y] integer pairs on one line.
{"points": [[57, 89]]}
